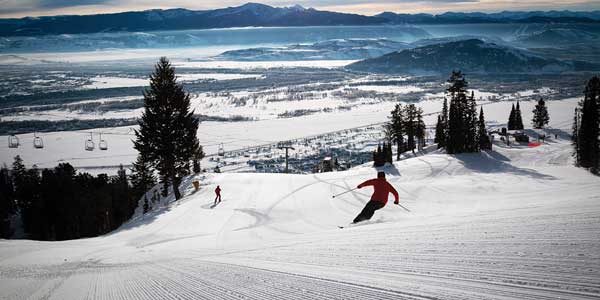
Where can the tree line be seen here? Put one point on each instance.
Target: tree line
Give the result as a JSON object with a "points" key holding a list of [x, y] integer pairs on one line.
{"points": [[60, 204], [406, 129], [586, 128], [459, 128]]}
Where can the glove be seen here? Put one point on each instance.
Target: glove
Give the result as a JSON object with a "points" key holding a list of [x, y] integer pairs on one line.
{"points": [[396, 202], [358, 186]]}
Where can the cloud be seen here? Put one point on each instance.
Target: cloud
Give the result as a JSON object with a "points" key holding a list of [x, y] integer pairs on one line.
{"points": [[13, 6]]}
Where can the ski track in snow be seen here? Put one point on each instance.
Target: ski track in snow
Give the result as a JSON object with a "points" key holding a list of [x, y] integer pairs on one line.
{"points": [[516, 223]]}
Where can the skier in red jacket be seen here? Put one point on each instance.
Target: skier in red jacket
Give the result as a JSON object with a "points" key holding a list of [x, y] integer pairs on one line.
{"points": [[382, 188], [218, 195]]}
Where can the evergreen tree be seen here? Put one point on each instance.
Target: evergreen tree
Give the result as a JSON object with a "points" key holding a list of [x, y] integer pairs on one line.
{"points": [[511, 118], [61, 204], [459, 103], [439, 132], [123, 203], [441, 128], [26, 185], [421, 128], [575, 136], [518, 119], [540, 115], [390, 155], [396, 129], [484, 139], [7, 203], [471, 124], [588, 131], [410, 125], [142, 177], [167, 133], [380, 155], [146, 205]]}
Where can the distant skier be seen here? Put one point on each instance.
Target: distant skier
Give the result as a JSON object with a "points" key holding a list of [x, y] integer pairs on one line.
{"points": [[218, 195], [382, 188]]}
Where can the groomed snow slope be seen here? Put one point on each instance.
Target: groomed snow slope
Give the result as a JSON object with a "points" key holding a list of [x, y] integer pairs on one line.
{"points": [[518, 223]]}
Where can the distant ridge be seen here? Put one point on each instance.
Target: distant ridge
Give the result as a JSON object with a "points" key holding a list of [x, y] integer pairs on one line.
{"points": [[470, 55], [260, 15], [247, 15], [501, 17]]}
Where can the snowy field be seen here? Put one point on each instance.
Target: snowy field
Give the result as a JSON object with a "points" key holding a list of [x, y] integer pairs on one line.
{"points": [[69, 146], [481, 226]]}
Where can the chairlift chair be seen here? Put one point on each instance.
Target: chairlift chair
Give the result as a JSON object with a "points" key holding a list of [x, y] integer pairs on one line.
{"points": [[13, 141], [38, 143], [89, 144], [102, 145]]}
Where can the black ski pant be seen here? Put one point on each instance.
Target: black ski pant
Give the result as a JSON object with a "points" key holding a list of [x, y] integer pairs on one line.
{"points": [[368, 211]]}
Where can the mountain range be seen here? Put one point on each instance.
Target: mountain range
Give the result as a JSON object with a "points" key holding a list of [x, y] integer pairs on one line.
{"points": [[471, 55], [260, 15]]}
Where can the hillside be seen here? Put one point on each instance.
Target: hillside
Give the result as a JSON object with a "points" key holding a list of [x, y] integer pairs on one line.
{"points": [[349, 49], [500, 17], [250, 14], [260, 15], [481, 226], [559, 37], [471, 55]]}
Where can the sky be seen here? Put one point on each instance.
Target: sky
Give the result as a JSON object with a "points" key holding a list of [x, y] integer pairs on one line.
{"points": [[23, 8]]}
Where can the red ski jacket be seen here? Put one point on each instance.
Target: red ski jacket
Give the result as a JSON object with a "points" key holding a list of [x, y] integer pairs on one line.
{"points": [[218, 191], [382, 190]]}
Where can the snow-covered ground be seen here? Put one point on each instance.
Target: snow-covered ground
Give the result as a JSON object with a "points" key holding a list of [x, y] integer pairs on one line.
{"points": [[514, 223], [69, 147]]}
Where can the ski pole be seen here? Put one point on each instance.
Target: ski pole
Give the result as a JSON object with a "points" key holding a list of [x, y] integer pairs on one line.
{"points": [[348, 191], [403, 207]]}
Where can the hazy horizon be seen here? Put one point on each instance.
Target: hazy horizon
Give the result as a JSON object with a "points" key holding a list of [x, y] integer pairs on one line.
{"points": [[37, 8]]}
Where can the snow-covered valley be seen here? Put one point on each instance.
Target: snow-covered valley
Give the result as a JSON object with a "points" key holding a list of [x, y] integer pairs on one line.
{"points": [[481, 226]]}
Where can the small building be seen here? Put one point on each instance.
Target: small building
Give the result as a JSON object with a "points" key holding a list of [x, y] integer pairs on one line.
{"points": [[326, 164]]}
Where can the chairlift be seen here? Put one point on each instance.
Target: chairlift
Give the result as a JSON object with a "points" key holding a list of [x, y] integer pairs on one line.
{"points": [[221, 151], [89, 144], [38, 143], [102, 145], [13, 141]]}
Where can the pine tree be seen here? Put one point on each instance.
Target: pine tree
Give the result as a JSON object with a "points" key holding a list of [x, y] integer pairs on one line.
{"points": [[123, 203], [484, 139], [518, 119], [439, 132], [588, 131], [396, 129], [511, 118], [167, 133], [457, 123], [7, 203], [441, 128], [390, 155], [142, 177], [410, 125], [146, 205], [575, 137], [421, 128], [471, 139], [540, 115]]}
